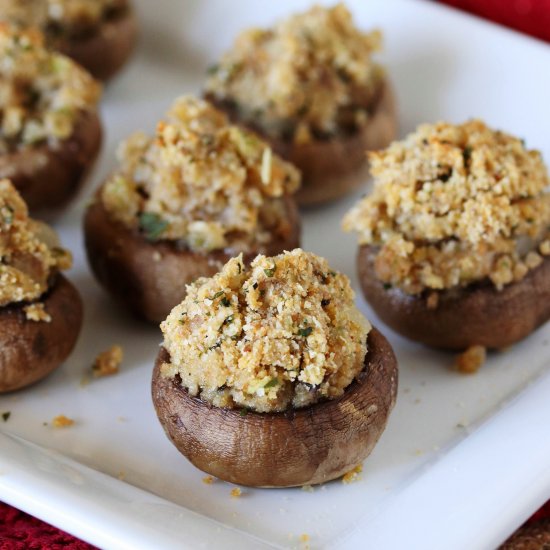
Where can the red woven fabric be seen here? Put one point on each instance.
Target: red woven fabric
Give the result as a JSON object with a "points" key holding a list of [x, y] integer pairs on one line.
{"points": [[528, 16], [19, 531]]}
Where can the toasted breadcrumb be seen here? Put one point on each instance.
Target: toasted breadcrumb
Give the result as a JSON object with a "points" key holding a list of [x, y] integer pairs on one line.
{"points": [[43, 93], [29, 253], [310, 74], [60, 17], [62, 421], [236, 492], [121, 475], [108, 362], [202, 182], [36, 312], [352, 475], [308, 488], [304, 537], [471, 360], [283, 332], [453, 205], [208, 480]]}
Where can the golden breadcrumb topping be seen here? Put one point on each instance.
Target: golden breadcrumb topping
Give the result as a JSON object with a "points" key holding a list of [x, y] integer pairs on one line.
{"points": [[37, 312], [201, 181], [310, 75], [60, 17], [29, 251], [452, 205], [42, 94], [108, 362], [282, 333]]}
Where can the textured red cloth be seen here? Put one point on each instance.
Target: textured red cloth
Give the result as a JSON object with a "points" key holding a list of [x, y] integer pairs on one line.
{"points": [[528, 16], [19, 531]]}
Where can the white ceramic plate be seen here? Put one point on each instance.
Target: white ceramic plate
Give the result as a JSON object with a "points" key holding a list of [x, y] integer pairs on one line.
{"points": [[464, 459]]}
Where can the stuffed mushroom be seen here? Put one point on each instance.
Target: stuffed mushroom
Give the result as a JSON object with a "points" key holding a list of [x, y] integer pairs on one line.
{"points": [[50, 132], [100, 35], [185, 201], [310, 86], [40, 310], [455, 238], [269, 376]]}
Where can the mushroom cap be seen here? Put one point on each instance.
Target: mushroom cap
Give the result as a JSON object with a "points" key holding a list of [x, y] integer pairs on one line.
{"points": [[475, 315], [331, 168], [299, 447], [104, 52], [48, 177], [150, 277], [30, 349]]}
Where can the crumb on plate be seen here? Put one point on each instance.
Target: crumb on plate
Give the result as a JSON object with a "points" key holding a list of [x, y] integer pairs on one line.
{"points": [[208, 480], [236, 492], [62, 421], [471, 360], [352, 475], [108, 362]]}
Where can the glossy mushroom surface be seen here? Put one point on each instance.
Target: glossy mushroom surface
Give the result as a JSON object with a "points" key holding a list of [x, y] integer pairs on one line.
{"points": [[299, 447], [31, 350], [475, 315]]}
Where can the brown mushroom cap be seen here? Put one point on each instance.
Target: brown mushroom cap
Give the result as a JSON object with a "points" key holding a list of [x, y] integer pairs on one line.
{"points": [[104, 52], [476, 315], [48, 177], [150, 277], [30, 349], [334, 167], [305, 446]]}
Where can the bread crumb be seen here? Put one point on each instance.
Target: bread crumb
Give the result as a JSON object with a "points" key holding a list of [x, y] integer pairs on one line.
{"points": [[353, 475], [307, 488], [236, 492], [121, 475], [470, 361], [304, 537], [62, 421], [36, 312], [108, 362], [208, 480]]}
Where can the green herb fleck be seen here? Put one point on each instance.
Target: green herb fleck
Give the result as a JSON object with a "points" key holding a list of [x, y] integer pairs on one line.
{"points": [[213, 69], [243, 412], [272, 383], [305, 332], [6, 416], [387, 286], [467, 154], [152, 225], [217, 295], [270, 272], [228, 320], [225, 301]]}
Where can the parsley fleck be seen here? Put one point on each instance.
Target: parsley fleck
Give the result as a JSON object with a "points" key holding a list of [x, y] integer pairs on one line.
{"points": [[467, 154], [6, 416], [243, 412], [217, 295], [305, 332], [228, 320], [271, 272], [152, 225], [225, 302], [272, 383]]}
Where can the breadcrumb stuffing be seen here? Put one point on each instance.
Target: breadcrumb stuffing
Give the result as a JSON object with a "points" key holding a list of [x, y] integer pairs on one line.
{"points": [[236, 492], [108, 362], [453, 205], [201, 181], [29, 254], [62, 421], [311, 75], [471, 360], [352, 475], [42, 93], [284, 332], [60, 18], [36, 312]]}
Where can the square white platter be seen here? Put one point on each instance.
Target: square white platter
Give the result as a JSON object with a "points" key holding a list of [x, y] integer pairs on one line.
{"points": [[464, 459]]}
